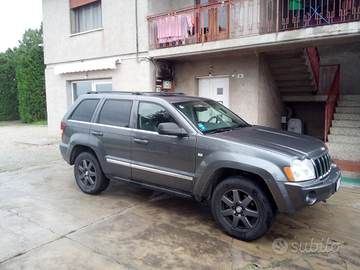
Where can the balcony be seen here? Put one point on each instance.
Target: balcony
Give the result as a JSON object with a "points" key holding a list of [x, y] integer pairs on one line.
{"points": [[230, 20]]}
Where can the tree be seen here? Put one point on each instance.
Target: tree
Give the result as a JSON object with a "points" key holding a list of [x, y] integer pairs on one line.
{"points": [[30, 76], [9, 104]]}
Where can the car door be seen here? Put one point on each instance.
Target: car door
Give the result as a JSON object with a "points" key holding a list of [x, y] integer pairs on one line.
{"points": [[113, 134], [161, 159]]}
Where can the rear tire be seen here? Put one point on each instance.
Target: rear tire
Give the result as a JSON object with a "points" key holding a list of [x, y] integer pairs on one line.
{"points": [[242, 209], [89, 175]]}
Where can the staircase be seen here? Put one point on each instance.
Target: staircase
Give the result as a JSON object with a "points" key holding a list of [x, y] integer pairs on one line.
{"points": [[344, 138], [292, 72]]}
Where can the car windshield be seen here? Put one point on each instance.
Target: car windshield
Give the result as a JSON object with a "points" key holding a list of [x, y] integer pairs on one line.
{"points": [[210, 116]]}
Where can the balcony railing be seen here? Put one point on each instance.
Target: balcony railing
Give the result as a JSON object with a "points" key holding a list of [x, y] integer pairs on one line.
{"points": [[239, 18]]}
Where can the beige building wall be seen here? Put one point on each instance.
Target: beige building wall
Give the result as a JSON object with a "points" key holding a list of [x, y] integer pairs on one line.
{"points": [[248, 95], [116, 39]]}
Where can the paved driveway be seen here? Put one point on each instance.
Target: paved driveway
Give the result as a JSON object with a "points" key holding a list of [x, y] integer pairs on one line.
{"points": [[46, 222]]}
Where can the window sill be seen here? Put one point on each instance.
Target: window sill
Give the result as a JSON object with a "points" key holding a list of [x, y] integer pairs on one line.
{"points": [[86, 32]]}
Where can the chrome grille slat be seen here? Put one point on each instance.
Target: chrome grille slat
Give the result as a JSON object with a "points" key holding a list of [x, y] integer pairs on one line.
{"points": [[322, 166]]}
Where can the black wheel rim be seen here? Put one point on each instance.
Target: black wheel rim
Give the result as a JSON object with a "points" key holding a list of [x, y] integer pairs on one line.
{"points": [[87, 173], [239, 210]]}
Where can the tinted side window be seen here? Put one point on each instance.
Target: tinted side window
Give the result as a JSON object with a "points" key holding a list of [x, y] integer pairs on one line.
{"points": [[85, 110], [151, 115], [116, 113]]}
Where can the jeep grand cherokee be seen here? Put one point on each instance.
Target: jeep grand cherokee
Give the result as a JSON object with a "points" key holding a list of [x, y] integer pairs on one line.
{"points": [[196, 148]]}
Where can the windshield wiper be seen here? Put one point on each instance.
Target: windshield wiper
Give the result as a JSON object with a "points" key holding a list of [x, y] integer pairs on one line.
{"points": [[225, 129], [239, 126], [218, 130]]}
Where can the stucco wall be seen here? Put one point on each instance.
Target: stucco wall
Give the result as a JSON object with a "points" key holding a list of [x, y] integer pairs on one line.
{"points": [[116, 37], [248, 96], [348, 56], [130, 75], [271, 107], [160, 6]]}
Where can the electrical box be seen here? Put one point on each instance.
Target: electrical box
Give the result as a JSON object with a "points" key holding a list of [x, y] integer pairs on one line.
{"points": [[295, 125], [162, 85]]}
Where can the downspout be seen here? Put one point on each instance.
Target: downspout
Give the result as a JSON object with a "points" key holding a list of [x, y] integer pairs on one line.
{"points": [[137, 32]]}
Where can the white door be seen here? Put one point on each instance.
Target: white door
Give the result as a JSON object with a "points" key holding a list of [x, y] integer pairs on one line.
{"points": [[215, 88]]}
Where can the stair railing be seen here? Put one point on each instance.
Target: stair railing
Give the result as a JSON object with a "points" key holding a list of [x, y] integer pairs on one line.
{"points": [[315, 63], [331, 102]]}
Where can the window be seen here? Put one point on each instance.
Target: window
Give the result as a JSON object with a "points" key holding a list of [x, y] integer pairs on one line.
{"points": [[85, 110], [209, 116], [151, 115], [82, 87], [85, 17], [116, 113]]}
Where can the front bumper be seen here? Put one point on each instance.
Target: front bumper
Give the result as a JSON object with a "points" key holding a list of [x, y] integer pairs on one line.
{"points": [[302, 194]]}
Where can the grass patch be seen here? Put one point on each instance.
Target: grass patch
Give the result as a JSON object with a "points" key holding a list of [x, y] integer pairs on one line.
{"points": [[39, 123]]}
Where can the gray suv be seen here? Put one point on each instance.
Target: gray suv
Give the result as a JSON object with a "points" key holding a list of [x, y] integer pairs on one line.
{"points": [[196, 148]]}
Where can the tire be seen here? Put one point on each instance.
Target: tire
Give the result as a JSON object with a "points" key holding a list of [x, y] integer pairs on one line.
{"points": [[242, 209], [89, 175]]}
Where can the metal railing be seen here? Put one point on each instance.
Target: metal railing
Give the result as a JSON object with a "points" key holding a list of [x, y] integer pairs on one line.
{"points": [[315, 63], [239, 18], [331, 101]]}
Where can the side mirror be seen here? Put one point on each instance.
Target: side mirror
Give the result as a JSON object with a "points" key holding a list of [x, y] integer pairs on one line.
{"points": [[170, 128]]}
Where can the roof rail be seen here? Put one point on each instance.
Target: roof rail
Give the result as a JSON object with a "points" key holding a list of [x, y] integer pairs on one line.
{"points": [[138, 93]]}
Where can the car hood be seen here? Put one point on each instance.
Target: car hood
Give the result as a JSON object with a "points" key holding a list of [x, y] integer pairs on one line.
{"points": [[281, 141]]}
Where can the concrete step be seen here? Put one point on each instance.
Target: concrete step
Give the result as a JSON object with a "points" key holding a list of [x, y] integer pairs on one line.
{"points": [[298, 89], [284, 55], [348, 110], [344, 155], [346, 123], [344, 147], [344, 131], [287, 77], [347, 116], [349, 97], [288, 70], [296, 83], [349, 103], [335, 138], [288, 63]]}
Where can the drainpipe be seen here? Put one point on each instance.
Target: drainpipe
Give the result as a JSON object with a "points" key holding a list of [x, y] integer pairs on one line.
{"points": [[137, 34]]}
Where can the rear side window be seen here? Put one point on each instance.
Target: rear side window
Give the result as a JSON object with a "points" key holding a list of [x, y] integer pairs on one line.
{"points": [[85, 110], [116, 113]]}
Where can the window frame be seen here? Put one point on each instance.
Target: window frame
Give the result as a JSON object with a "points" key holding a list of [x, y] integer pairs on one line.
{"points": [[75, 17], [94, 83]]}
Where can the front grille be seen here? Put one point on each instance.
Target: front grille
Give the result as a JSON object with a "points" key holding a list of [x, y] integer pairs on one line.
{"points": [[322, 166]]}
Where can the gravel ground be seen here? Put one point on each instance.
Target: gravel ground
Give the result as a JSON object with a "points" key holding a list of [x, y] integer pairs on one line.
{"points": [[24, 145]]}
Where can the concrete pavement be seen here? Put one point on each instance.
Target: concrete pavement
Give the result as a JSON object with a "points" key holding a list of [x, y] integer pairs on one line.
{"points": [[46, 222]]}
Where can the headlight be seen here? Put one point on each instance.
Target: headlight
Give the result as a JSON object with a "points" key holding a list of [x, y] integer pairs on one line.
{"points": [[300, 170]]}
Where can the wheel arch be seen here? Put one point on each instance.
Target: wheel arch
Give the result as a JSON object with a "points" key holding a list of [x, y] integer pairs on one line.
{"points": [[78, 149], [222, 173]]}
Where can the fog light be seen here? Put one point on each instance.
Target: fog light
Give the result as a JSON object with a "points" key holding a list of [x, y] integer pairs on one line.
{"points": [[311, 198]]}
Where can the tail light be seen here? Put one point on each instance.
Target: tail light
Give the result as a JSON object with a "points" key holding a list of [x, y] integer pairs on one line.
{"points": [[62, 127]]}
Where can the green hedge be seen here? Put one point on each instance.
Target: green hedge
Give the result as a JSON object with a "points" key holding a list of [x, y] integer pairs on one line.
{"points": [[9, 104], [30, 76]]}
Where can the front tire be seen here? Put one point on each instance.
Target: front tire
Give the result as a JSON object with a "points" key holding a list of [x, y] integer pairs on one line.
{"points": [[89, 175], [242, 209]]}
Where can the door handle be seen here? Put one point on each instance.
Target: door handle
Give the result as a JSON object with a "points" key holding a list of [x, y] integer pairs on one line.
{"points": [[97, 133], [141, 141]]}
